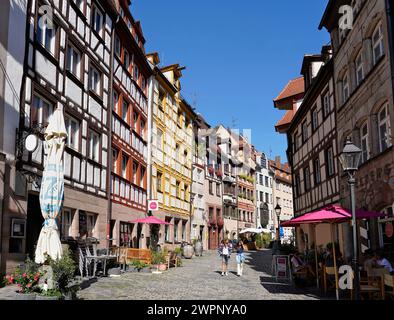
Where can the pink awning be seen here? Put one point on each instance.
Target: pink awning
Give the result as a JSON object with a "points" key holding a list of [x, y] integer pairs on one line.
{"points": [[330, 214], [150, 220]]}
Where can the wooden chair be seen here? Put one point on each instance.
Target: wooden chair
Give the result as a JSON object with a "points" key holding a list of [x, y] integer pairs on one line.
{"points": [[172, 259], [374, 284], [330, 271], [389, 282]]}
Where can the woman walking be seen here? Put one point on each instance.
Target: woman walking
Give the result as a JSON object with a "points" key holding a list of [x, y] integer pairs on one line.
{"points": [[240, 258], [225, 254]]}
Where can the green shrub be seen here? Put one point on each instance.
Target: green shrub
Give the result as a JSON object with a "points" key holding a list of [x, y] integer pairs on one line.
{"points": [[158, 258], [139, 264], [63, 270]]}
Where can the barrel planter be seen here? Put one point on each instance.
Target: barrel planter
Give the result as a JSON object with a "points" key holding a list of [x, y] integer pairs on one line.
{"points": [[188, 251], [198, 249]]}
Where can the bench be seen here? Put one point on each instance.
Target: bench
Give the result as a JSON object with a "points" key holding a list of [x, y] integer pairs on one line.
{"points": [[143, 255]]}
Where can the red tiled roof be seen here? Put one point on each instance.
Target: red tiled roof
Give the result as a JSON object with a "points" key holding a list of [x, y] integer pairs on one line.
{"points": [[286, 120], [293, 88]]}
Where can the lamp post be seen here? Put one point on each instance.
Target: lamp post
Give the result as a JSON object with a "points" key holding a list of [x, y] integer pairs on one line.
{"points": [[278, 210], [350, 159]]}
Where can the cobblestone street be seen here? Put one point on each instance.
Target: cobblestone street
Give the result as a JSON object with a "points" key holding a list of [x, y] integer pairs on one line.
{"points": [[199, 278]]}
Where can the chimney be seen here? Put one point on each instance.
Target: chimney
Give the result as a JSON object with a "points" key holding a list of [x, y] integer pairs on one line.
{"points": [[277, 161]]}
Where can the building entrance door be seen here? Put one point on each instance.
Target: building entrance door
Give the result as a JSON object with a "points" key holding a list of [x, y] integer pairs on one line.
{"points": [[34, 224]]}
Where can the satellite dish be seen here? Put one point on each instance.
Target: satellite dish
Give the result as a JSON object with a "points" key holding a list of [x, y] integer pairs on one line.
{"points": [[31, 143]]}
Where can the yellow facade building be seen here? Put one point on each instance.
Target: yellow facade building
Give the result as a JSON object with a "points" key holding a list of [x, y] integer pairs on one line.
{"points": [[171, 154]]}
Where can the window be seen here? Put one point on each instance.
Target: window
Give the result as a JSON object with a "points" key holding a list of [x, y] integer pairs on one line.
{"points": [[263, 161], [74, 61], [95, 80], [125, 162], [159, 182], [115, 154], [125, 110], [364, 142], [359, 69], [135, 121], [143, 84], [315, 120], [41, 110], [91, 223], [142, 125], [136, 74], [162, 100], [210, 187], [330, 161], [115, 101], [72, 127], [167, 230], [184, 231], [98, 20], [142, 177], [178, 189], [118, 46], [261, 179], [267, 198], [267, 182], [298, 185], [218, 189], [80, 4], [384, 129], [135, 170], [326, 104], [159, 141], [316, 169], [345, 89], [66, 219], [94, 146], [377, 43], [126, 230], [307, 178], [126, 60], [47, 36], [176, 227], [296, 141], [304, 131]]}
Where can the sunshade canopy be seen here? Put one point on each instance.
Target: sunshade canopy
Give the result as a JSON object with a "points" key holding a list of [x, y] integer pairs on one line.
{"points": [[254, 230], [150, 220], [330, 214]]}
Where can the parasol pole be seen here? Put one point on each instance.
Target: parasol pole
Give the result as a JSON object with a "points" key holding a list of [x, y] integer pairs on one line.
{"points": [[317, 264], [335, 262]]}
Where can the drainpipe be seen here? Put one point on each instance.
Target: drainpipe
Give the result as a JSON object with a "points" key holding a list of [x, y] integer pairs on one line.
{"points": [[109, 121]]}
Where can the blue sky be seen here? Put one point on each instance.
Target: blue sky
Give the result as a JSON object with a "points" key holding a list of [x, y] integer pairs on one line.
{"points": [[239, 55]]}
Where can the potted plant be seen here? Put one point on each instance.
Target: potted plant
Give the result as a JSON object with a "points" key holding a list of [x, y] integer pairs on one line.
{"points": [[134, 266], [26, 279], [62, 273], [159, 260]]}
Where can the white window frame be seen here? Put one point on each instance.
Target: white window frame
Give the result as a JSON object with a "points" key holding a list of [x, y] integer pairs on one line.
{"points": [[95, 80], [384, 122], [94, 146], [66, 225], [72, 137], [117, 46], [42, 103], [47, 37], [74, 58], [377, 43], [135, 169], [364, 135], [315, 119], [125, 105], [115, 155], [97, 25], [91, 220], [359, 68], [124, 165], [345, 88]]}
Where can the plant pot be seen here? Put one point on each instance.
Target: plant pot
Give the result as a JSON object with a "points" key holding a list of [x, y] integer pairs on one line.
{"points": [[198, 249], [188, 251], [162, 267], [40, 297], [25, 296]]}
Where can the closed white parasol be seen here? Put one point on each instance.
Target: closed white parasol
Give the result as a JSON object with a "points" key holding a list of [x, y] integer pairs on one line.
{"points": [[52, 188]]}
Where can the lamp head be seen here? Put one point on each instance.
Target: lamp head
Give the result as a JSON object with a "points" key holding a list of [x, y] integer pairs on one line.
{"points": [[350, 157]]}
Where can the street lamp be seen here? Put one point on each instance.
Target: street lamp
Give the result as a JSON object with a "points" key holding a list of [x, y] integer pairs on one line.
{"points": [[350, 159], [278, 210]]}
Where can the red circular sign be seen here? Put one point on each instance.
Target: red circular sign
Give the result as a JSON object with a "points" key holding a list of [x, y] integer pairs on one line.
{"points": [[153, 206], [389, 230]]}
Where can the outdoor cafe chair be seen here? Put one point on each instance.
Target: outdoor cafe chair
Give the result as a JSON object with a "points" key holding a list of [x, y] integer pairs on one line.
{"points": [[328, 271], [374, 285], [389, 282]]}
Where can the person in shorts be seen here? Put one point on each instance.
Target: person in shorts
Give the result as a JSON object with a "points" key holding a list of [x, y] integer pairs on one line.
{"points": [[225, 253]]}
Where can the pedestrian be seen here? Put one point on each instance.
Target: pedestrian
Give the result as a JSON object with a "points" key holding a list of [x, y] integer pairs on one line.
{"points": [[382, 262], [240, 258], [225, 254]]}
